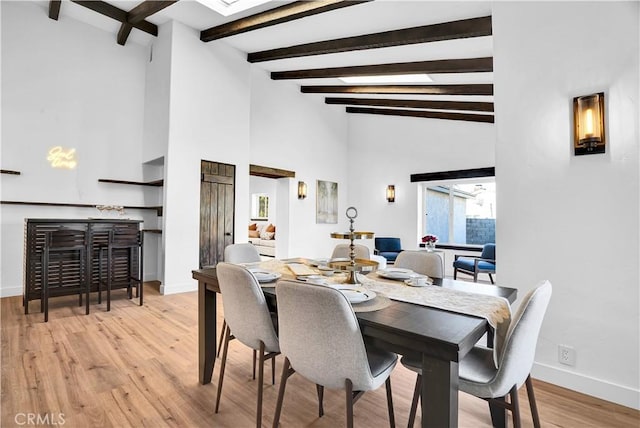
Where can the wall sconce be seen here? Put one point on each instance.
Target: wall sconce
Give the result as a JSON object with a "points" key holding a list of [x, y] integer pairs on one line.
{"points": [[302, 190], [588, 124], [391, 193]]}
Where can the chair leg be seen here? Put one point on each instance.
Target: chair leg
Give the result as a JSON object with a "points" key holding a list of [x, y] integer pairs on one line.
{"points": [[320, 391], [491, 278], [532, 403], [475, 276], [100, 258], [222, 365], [222, 330], [260, 384], [44, 299], [88, 280], [392, 417], [109, 260], [455, 273], [349, 396], [273, 371], [254, 364], [515, 407], [286, 366], [414, 402]]}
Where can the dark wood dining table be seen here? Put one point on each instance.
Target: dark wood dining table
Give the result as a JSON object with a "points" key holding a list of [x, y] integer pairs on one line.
{"points": [[440, 338]]}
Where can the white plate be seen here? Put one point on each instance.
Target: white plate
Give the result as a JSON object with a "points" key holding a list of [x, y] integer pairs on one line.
{"points": [[396, 273], [318, 262], [412, 282], [358, 296], [264, 275]]}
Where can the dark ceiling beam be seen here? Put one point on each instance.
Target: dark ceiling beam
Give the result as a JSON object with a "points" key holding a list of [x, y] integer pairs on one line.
{"points": [[471, 89], [469, 117], [54, 9], [467, 65], [474, 27], [139, 14], [422, 104], [120, 15], [278, 15]]}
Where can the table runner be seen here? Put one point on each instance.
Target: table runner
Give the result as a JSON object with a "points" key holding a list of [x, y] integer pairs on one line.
{"points": [[496, 310]]}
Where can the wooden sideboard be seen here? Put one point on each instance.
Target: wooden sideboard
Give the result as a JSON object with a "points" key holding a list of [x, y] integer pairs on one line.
{"points": [[67, 275]]}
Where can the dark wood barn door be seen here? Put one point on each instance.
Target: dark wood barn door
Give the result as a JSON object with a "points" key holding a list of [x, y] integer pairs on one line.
{"points": [[217, 207]]}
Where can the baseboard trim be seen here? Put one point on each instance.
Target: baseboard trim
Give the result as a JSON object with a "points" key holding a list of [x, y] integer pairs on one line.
{"points": [[599, 388], [11, 291], [185, 287]]}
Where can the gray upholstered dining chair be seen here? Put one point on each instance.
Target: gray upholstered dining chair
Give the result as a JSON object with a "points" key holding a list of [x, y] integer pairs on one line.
{"points": [[422, 262], [478, 374], [239, 253], [341, 251], [321, 339], [248, 320]]}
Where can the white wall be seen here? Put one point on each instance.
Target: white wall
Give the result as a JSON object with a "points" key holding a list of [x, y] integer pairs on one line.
{"points": [[387, 150], [571, 220], [66, 83], [292, 131], [209, 120]]}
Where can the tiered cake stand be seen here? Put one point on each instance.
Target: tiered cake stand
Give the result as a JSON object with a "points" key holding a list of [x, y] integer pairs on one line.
{"points": [[353, 265]]}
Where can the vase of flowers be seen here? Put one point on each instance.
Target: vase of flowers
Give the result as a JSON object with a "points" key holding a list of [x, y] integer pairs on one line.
{"points": [[430, 242]]}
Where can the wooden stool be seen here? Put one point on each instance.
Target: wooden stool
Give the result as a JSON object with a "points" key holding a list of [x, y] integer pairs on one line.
{"points": [[68, 249], [122, 249]]}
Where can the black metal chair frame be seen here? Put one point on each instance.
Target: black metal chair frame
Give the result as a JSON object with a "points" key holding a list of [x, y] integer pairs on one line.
{"points": [[117, 242], [60, 241]]}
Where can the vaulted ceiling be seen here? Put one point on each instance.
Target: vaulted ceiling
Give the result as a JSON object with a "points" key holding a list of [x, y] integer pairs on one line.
{"points": [[315, 43]]}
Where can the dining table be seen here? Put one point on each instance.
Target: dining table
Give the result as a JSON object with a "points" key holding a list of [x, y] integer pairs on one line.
{"points": [[439, 338]]}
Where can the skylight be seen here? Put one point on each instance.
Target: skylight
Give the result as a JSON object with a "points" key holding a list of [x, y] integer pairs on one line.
{"points": [[398, 78], [229, 7]]}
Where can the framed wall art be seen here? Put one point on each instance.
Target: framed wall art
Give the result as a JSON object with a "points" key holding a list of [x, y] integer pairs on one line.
{"points": [[326, 202]]}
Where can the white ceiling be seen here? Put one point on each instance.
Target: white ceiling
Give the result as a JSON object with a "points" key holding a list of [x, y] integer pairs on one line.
{"points": [[365, 18]]}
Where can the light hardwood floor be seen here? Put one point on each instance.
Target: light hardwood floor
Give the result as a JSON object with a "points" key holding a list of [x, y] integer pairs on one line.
{"points": [[137, 367]]}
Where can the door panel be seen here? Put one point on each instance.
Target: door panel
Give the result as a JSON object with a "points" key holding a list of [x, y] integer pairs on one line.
{"points": [[217, 207]]}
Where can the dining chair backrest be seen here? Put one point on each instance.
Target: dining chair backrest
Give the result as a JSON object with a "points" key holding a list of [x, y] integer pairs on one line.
{"points": [[320, 335], [489, 252], [516, 359], [241, 253], [422, 262], [341, 251], [245, 307]]}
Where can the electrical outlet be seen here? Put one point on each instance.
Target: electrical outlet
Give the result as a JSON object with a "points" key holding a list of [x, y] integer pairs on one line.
{"points": [[566, 355]]}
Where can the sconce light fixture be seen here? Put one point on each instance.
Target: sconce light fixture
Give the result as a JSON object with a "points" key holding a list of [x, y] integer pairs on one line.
{"points": [[391, 193], [588, 124], [302, 190]]}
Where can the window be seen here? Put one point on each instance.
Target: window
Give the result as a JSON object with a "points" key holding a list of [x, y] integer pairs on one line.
{"points": [[460, 212]]}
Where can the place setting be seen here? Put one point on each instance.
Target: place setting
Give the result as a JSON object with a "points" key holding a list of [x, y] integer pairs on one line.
{"points": [[264, 277], [407, 276]]}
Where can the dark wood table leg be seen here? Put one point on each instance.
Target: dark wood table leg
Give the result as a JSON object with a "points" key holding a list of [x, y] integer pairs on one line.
{"points": [[439, 392], [206, 332], [498, 414]]}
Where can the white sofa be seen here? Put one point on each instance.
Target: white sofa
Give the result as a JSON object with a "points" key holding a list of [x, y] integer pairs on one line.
{"points": [[266, 247]]}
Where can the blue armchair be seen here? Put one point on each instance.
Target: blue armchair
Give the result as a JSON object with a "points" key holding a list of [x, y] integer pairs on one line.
{"points": [[389, 248], [470, 265]]}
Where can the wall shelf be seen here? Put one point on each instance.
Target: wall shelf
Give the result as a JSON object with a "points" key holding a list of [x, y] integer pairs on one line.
{"points": [[156, 231], [158, 209], [155, 183], [8, 171]]}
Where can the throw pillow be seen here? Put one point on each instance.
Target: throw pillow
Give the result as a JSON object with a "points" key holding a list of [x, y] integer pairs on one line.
{"points": [[270, 228], [266, 235], [254, 234], [253, 226]]}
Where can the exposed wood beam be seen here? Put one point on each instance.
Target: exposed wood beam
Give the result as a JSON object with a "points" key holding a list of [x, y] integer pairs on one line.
{"points": [[278, 15], [474, 27], [469, 117], [471, 89], [113, 12], [423, 104], [265, 171], [54, 9], [450, 175], [467, 65], [138, 14]]}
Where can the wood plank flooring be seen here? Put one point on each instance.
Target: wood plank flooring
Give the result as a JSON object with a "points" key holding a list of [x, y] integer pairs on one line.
{"points": [[137, 367]]}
